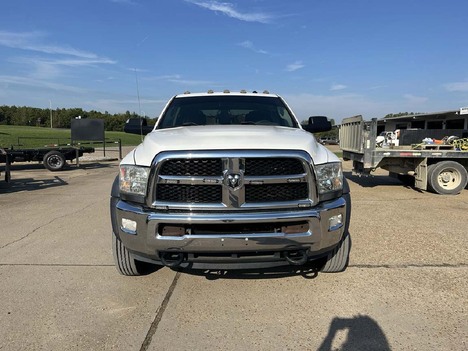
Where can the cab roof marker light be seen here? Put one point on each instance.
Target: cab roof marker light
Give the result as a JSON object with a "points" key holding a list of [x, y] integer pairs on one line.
{"points": [[210, 91], [243, 91], [266, 92], [254, 92], [226, 91], [186, 92]]}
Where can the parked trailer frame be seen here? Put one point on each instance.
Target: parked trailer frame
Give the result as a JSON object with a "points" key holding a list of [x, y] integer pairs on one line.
{"points": [[5, 158], [437, 169], [53, 158]]}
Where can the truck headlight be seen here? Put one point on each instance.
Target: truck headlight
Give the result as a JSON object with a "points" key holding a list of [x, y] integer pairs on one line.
{"points": [[133, 179], [329, 178]]}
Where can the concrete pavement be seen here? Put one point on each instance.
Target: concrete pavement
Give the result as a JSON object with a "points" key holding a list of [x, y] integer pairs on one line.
{"points": [[406, 287]]}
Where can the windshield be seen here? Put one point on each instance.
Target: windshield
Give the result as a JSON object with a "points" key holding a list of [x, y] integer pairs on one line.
{"points": [[215, 110]]}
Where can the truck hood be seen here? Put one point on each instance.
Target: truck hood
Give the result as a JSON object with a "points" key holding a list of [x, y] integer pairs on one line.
{"points": [[219, 137]]}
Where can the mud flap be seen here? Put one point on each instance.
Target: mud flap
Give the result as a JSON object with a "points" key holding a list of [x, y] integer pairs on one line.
{"points": [[420, 177]]}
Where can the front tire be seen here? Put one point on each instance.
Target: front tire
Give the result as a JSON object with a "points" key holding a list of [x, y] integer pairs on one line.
{"points": [[338, 258], [446, 177], [123, 259]]}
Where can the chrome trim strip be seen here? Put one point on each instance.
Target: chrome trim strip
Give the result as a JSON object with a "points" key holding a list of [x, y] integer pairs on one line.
{"points": [[128, 231], [244, 217], [205, 180]]}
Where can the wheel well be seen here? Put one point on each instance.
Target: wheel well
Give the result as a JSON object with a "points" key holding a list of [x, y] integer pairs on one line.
{"points": [[115, 192], [113, 203], [462, 161]]}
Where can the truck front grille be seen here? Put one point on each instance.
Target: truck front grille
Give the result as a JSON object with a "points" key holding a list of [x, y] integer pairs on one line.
{"points": [[232, 180]]}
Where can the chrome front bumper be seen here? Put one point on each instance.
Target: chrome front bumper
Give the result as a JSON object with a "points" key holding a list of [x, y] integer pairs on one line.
{"points": [[146, 242]]}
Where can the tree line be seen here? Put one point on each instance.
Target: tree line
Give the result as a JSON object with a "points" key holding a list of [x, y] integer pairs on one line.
{"points": [[60, 118]]}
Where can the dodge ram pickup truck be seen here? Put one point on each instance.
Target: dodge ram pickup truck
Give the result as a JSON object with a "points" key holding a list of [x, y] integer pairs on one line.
{"points": [[229, 181]]}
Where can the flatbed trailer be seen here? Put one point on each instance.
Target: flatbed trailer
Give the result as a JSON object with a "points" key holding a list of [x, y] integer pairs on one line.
{"points": [[440, 169], [54, 158]]}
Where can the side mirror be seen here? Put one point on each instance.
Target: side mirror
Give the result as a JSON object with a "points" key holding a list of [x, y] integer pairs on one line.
{"points": [[318, 124], [137, 126]]}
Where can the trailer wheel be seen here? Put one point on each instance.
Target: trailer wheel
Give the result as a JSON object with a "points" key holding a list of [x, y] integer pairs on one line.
{"points": [[446, 177], [54, 160]]}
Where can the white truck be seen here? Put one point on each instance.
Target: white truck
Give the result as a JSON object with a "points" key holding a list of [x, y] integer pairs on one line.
{"points": [[230, 180], [441, 169]]}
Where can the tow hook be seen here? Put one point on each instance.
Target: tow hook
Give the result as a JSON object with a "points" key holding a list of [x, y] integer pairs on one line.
{"points": [[296, 258], [171, 259]]}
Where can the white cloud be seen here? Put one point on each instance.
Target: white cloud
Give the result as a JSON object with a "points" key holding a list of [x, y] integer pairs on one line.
{"points": [[229, 10], [43, 68], [39, 83], [70, 62], [48, 61], [191, 82], [416, 100], [31, 41], [294, 66], [335, 87], [128, 2], [457, 86], [376, 87], [165, 77], [178, 79], [249, 45]]}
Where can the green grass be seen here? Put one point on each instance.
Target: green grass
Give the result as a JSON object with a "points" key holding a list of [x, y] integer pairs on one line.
{"points": [[38, 137]]}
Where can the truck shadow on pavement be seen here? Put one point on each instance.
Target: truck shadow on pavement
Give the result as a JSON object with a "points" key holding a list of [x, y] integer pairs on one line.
{"points": [[30, 184], [372, 181], [67, 168], [360, 332], [90, 165]]}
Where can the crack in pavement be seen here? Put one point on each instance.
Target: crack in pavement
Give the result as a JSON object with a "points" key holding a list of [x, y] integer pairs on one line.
{"points": [[402, 199], [410, 265], [386, 200], [159, 314], [46, 224], [56, 265]]}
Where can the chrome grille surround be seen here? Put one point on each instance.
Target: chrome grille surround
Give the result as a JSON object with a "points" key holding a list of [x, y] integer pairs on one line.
{"points": [[233, 181]]}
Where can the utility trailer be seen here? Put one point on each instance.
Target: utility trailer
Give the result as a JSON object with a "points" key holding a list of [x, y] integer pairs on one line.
{"points": [[438, 168], [54, 158]]}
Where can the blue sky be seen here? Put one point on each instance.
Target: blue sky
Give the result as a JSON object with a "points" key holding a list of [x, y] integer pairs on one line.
{"points": [[325, 57]]}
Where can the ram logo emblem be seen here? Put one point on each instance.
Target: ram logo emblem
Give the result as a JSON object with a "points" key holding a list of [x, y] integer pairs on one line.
{"points": [[234, 180]]}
